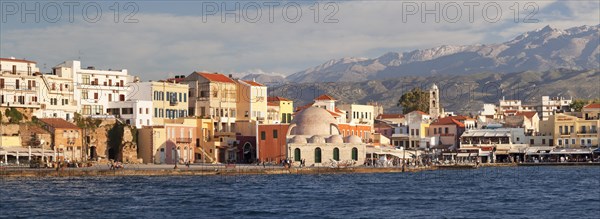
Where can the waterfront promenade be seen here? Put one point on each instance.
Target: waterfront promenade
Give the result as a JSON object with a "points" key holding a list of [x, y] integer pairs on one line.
{"points": [[220, 169]]}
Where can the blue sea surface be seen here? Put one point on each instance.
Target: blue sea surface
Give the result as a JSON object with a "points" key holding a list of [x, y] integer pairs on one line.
{"points": [[503, 192]]}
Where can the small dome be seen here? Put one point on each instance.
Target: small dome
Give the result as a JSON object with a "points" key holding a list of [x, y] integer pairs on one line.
{"points": [[316, 140], [353, 139], [335, 139], [434, 87], [298, 139], [314, 121]]}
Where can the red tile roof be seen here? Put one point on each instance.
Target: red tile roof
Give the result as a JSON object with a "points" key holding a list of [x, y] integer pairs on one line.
{"points": [[59, 123], [300, 108], [592, 106], [526, 114], [272, 104], [338, 110], [176, 80], [16, 60], [277, 99], [420, 112], [216, 77], [334, 114], [325, 97], [253, 83], [390, 116], [448, 121]]}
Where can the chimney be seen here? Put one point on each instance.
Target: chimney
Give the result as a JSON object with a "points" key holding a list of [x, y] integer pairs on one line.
{"points": [[230, 75]]}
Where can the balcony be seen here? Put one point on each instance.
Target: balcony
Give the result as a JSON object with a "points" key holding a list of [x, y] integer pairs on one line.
{"points": [[24, 105], [183, 140], [447, 134]]}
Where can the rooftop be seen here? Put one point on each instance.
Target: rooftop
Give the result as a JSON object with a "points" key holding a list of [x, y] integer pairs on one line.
{"points": [[16, 60], [59, 123], [527, 114], [592, 106], [215, 77], [448, 121], [390, 116], [276, 99], [253, 83], [325, 97]]}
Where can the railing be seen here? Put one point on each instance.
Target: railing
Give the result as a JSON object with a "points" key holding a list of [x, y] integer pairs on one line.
{"points": [[183, 140]]}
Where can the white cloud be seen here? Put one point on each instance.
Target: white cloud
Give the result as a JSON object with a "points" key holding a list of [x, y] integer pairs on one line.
{"points": [[162, 44]]}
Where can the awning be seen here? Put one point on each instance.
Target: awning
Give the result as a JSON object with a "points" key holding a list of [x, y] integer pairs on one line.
{"points": [[464, 155], [501, 152]]}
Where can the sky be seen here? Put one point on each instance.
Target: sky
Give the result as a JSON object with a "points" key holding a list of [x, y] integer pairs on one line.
{"points": [[159, 39]]}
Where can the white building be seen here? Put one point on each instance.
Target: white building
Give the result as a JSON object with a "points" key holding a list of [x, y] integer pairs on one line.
{"points": [[551, 105], [359, 114], [136, 113], [94, 89], [19, 85], [58, 100]]}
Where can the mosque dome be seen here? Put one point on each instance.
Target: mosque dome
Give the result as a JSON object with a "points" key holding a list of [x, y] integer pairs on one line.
{"points": [[298, 139], [335, 139], [316, 140], [353, 139], [314, 121]]}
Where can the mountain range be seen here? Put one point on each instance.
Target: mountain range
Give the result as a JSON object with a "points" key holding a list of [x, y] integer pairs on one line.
{"points": [[543, 49], [462, 94]]}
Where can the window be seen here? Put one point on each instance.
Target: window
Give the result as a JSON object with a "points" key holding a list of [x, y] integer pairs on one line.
{"points": [[1, 83], [263, 135], [95, 96], [589, 141], [582, 141], [531, 141], [317, 155], [85, 79], [84, 94], [336, 154], [297, 155], [127, 111], [434, 131], [573, 141], [543, 141], [354, 154], [446, 130], [274, 133]]}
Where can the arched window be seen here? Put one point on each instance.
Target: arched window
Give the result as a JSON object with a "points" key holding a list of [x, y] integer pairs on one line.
{"points": [[297, 156], [336, 154], [317, 155], [354, 153]]}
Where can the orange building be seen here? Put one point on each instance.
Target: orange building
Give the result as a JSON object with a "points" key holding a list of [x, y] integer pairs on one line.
{"points": [[363, 130], [272, 142]]}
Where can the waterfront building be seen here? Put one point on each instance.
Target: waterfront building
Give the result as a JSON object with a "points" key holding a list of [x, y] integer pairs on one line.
{"points": [[19, 85], [418, 127], [552, 105], [214, 96], [486, 145], [169, 143], [314, 136], [94, 88], [570, 131], [167, 100], [272, 142], [57, 95], [358, 114], [446, 132], [137, 113], [283, 107], [251, 107], [591, 111], [67, 139], [528, 120]]}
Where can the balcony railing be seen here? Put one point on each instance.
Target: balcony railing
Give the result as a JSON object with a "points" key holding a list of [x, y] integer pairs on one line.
{"points": [[183, 140]]}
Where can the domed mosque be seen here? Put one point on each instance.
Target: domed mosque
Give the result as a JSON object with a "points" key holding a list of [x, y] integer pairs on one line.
{"points": [[314, 138]]}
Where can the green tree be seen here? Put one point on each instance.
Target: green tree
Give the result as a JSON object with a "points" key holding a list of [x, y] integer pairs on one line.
{"points": [[415, 99], [14, 116], [578, 104]]}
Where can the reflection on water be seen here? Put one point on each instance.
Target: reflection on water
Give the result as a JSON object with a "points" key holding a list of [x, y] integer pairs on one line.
{"points": [[533, 192]]}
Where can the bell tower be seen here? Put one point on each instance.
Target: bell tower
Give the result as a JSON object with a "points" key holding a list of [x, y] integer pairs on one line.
{"points": [[434, 102]]}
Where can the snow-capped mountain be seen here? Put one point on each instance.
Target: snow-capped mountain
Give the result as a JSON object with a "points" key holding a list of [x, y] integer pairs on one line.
{"points": [[539, 50]]}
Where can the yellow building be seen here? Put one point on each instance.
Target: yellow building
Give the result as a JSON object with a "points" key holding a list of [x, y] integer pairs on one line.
{"points": [[169, 100], [571, 131], [214, 96], [284, 108]]}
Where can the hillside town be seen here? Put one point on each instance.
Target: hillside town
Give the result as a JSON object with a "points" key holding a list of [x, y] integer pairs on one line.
{"points": [[85, 116]]}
